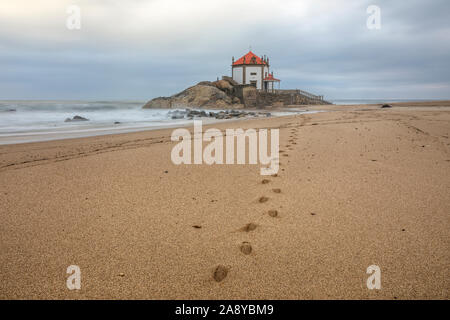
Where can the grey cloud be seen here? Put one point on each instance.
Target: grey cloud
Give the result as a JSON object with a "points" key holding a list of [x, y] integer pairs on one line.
{"points": [[332, 53]]}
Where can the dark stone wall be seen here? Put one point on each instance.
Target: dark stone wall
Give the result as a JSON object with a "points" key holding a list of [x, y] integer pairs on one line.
{"points": [[269, 99], [252, 98]]}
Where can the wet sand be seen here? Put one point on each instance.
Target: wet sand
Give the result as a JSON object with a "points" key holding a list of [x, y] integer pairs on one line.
{"points": [[357, 186]]}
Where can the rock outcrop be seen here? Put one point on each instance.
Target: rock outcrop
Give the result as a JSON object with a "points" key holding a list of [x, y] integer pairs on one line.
{"points": [[212, 95], [228, 94], [228, 114], [159, 103]]}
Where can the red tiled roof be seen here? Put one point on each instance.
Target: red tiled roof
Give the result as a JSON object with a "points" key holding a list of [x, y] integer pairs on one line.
{"points": [[249, 58], [271, 78]]}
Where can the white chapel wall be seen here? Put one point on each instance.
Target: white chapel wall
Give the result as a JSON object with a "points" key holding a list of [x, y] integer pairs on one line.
{"points": [[238, 75], [253, 74]]}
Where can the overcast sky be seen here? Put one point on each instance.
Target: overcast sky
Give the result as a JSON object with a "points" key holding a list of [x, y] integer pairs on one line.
{"points": [[140, 49]]}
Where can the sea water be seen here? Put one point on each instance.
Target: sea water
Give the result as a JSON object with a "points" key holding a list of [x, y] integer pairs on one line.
{"points": [[28, 116], [30, 121]]}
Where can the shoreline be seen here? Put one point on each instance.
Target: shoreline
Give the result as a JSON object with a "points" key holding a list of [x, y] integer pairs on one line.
{"points": [[357, 186], [96, 129], [107, 129]]}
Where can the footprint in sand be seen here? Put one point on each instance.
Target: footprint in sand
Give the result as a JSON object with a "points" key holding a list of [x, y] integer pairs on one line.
{"points": [[246, 248], [249, 227], [263, 199], [285, 155], [275, 175], [220, 273], [276, 190], [273, 213], [265, 181]]}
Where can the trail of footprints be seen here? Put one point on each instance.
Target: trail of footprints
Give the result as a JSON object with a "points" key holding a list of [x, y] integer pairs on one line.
{"points": [[220, 272]]}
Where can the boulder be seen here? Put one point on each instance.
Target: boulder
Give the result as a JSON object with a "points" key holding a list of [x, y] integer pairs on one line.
{"points": [[230, 81], [384, 106], [198, 96], [221, 104], [177, 114], [205, 83], [197, 113], [76, 118], [158, 103], [223, 85], [201, 96]]}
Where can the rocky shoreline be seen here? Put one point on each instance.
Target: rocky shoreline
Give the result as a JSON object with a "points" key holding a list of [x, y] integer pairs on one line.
{"points": [[190, 114], [211, 95], [228, 94]]}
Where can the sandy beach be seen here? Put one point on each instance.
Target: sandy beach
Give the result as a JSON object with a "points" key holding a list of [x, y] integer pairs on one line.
{"points": [[357, 186]]}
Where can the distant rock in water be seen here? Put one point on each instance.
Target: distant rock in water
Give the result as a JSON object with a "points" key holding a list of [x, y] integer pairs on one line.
{"points": [[76, 118], [178, 114], [9, 110], [384, 106]]}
